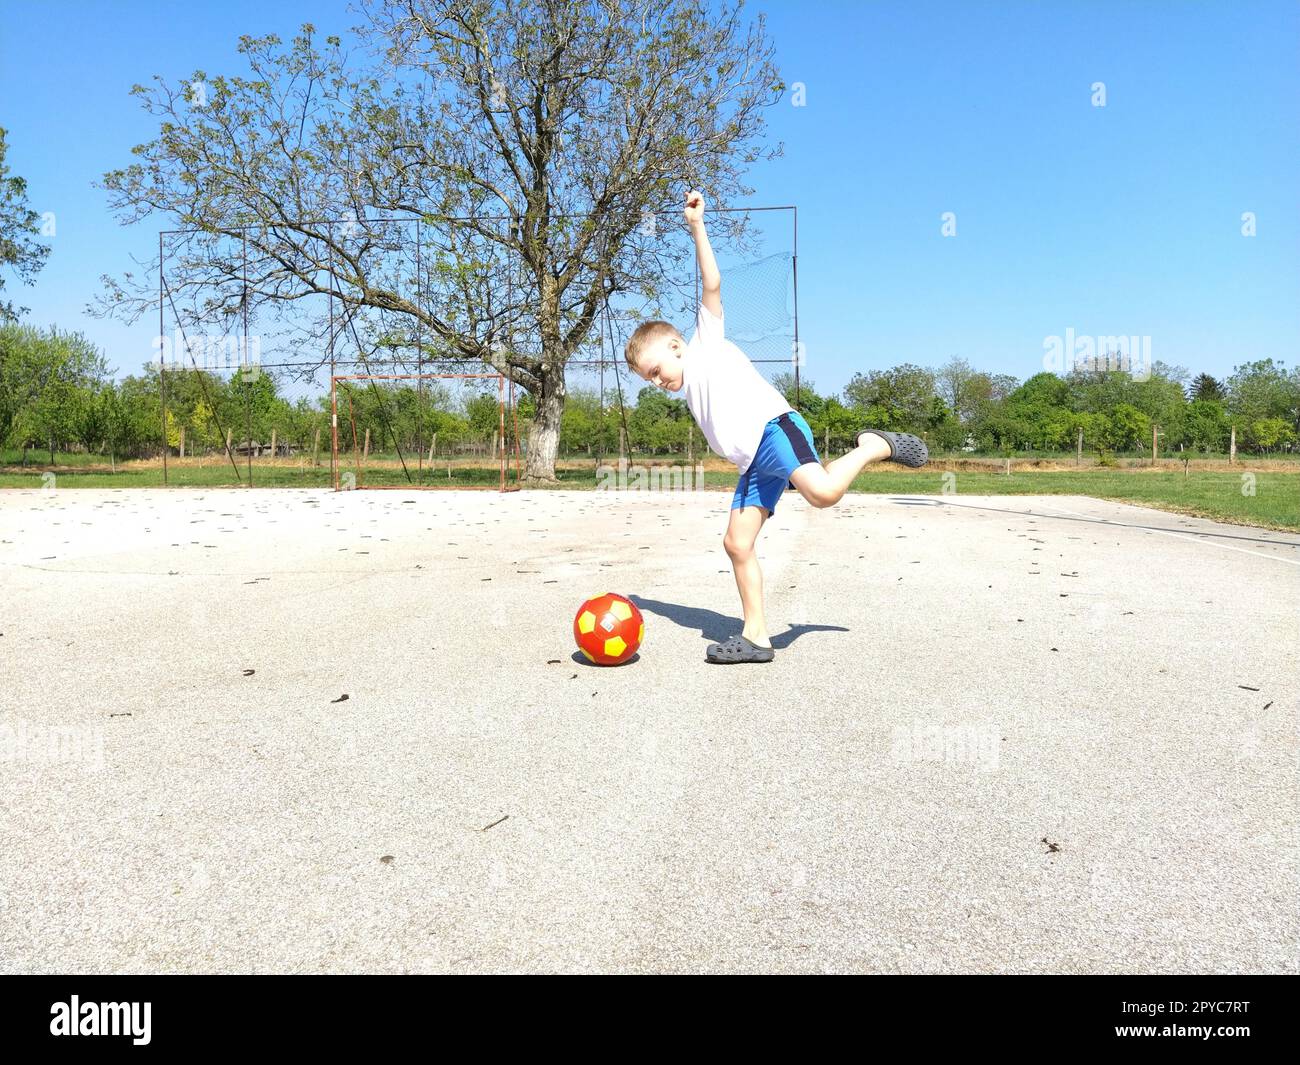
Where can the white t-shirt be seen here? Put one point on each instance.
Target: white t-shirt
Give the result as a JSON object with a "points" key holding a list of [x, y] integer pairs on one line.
{"points": [[729, 399]]}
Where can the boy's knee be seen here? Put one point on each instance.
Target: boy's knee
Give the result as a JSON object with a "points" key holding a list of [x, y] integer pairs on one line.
{"points": [[736, 549], [822, 498]]}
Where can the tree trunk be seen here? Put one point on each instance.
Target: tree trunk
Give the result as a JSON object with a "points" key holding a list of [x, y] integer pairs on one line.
{"points": [[544, 432]]}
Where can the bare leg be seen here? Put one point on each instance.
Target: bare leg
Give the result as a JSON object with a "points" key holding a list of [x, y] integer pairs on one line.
{"points": [[742, 532], [825, 486]]}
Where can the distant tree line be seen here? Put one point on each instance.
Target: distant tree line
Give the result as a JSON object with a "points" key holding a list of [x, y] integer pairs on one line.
{"points": [[957, 407], [57, 393]]}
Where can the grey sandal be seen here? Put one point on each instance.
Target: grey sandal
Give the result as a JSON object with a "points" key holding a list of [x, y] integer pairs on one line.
{"points": [[904, 448], [738, 649]]}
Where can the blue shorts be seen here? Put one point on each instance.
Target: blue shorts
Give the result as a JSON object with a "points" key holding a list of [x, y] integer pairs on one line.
{"points": [[787, 444]]}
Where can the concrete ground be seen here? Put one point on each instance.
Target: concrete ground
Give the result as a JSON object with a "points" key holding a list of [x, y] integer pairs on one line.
{"points": [[294, 731]]}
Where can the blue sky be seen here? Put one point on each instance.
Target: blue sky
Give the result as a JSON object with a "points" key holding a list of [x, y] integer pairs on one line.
{"points": [[1115, 220]]}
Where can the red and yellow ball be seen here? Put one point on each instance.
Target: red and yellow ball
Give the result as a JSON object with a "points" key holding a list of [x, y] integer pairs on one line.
{"points": [[608, 629]]}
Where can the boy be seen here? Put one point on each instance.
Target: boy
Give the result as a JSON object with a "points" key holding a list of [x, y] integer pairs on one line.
{"points": [[749, 422]]}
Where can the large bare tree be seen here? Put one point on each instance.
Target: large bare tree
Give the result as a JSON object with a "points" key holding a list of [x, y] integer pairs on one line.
{"points": [[526, 142], [20, 229]]}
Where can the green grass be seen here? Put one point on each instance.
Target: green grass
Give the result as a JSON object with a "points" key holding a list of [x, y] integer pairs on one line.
{"points": [[140, 476], [1132, 458], [263, 476], [1203, 493], [1216, 494]]}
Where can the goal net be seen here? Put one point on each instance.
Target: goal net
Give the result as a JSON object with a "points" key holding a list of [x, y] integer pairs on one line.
{"points": [[424, 431]]}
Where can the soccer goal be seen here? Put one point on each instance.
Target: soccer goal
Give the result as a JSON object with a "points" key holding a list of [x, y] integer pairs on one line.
{"points": [[424, 431]]}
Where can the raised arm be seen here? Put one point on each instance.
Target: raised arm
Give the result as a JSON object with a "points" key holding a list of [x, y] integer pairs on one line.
{"points": [[710, 278]]}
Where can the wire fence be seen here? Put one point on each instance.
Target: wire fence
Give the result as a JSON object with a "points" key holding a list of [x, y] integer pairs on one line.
{"points": [[305, 303]]}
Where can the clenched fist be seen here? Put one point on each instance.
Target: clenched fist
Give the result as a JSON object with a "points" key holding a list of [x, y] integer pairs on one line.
{"points": [[694, 208]]}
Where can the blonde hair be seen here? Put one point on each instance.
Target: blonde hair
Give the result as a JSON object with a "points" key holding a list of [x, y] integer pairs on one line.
{"points": [[647, 333]]}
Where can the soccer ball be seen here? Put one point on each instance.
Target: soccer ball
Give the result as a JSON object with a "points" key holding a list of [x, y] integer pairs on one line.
{"points": [[608, 629]]}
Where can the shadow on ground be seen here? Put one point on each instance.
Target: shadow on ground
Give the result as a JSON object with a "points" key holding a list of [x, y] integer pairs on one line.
{"points": [[578, 658], [717, 627]]}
